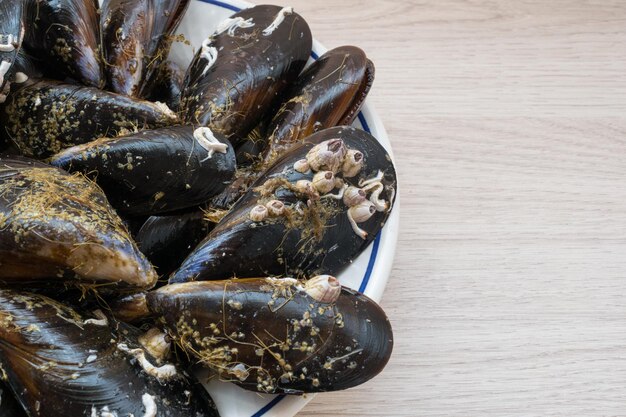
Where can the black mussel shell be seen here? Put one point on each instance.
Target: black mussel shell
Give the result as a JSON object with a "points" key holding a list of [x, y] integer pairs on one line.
{"points": [[60, 363], [278, 335], [329, 93], [243, 68], [314, 211], [44, 117], [65, 34], [166, 85], [168, 239], [155, 171], [136, 40], [56, 227], [9, 406]]}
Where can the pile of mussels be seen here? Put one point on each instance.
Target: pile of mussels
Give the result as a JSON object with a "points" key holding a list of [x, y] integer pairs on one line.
{"points": [[155, 220]]}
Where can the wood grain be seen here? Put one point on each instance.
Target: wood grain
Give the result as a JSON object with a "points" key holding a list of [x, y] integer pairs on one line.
{"points": [[507, 121]]}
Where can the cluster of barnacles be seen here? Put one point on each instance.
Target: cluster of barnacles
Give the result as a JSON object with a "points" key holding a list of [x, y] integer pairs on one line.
{"points": [[326, 160]]}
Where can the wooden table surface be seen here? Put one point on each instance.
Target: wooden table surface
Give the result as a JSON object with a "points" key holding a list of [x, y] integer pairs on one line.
{"points": [[508, 123]]}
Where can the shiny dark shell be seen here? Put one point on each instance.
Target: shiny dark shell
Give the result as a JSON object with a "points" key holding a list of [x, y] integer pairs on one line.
{"points": [[166, 85], [64, 364], [168, 239], [56, 227], [153, 171], [135, 39], [44, 117], [272, 335], [65, 34], [329, 93], [250, 71], [309, 237]]}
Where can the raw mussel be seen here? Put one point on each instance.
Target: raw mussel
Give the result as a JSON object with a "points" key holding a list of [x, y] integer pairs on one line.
{"points": [[56, 226], [167, 240], [278, 335], [136, 39], [65, 34], [243, 68], [329, 93], [61, 363], [44, 117], [155, 171], [314, 211]]}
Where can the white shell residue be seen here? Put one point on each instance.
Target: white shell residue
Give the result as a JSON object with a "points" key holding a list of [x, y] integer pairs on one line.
{"points": [[278, 20], [4, 68], [162, 373], [209, 53], [149, 405], [7, 43], [209, 142], [232, 24]]}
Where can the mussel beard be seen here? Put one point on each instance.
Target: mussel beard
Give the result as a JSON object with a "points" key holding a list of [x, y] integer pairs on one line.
{"points": [[136, 39], [55, 226], [278, 335], [65, 34], [63, 364]]}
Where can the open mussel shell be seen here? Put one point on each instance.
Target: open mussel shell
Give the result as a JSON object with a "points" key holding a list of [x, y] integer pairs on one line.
{"points": [[168, 239], [60, 363], [9, 406], [155, 171], [44, 117], [136, 40], [11, 37], [56, 226], [314, 211], [243, 68], [65, 34], [329, 93], [278, 335]]}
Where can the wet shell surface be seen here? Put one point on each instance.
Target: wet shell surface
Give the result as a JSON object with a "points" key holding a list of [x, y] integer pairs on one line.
{"points": [[136, 40], [55, 226], [317, 232], [243, 68], [168, 239], [44, 117], [155, 171], [9, 407], [65, 364], [278, 335], [65, 35]]}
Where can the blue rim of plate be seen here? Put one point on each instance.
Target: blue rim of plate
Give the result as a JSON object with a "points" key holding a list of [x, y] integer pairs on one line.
{"points": [[376, 244]]}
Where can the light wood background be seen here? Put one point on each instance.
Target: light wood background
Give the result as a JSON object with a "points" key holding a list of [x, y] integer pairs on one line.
{"points": [[508, 123]]}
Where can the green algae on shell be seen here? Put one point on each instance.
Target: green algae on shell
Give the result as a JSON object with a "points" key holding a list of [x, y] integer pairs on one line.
{"points": [[56, 226], [278, 335], [64, 363], [44, 117]]}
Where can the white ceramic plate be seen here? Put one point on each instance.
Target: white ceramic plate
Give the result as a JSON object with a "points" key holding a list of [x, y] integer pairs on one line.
{"points": [[368, 273]]}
